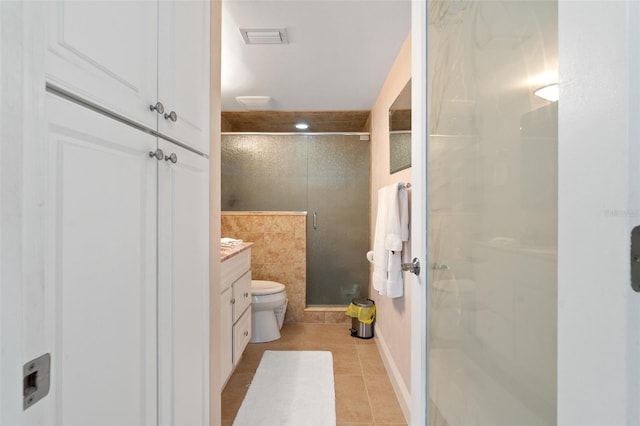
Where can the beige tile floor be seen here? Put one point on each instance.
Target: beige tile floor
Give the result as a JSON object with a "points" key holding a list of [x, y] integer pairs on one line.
{"points": [[364, 395]]}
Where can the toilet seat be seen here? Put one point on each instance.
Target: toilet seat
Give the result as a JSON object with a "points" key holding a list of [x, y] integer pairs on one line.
{"points": [[262, 287]]}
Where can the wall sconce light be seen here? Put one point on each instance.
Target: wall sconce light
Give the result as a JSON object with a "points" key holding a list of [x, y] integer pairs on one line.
{"points": [[550, 93]]}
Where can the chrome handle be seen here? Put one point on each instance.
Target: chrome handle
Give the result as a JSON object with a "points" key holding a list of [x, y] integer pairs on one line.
{"points": [[246, 294], [246, 332], [158, 107], [315, 220], [233, 301], [413, 267], [157, 153], [173, 158], [171, 116]]}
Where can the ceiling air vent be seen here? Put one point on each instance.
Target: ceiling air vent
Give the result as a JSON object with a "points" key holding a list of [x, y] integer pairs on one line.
{"points": [[264, 36], [255, 103]]}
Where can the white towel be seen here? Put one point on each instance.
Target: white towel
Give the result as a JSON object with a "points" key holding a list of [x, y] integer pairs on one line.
{"points": [[397, 218], [392, 229], [229, 242], [380, 254]]}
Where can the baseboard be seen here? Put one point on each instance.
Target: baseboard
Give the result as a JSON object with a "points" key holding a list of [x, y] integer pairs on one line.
{"points": [[402, 393]]}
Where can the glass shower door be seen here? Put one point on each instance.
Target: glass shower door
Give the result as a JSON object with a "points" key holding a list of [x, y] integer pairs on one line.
{"points": [[338, 219], [492, 191]]}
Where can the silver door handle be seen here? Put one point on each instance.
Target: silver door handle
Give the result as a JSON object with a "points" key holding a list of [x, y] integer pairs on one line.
{"points": [[315, 220], [157, 153], [413, 267], [173, 158]]}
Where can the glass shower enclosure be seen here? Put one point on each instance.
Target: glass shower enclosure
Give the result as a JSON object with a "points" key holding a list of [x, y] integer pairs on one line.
{"points": [[492, 202], [325, 175]]}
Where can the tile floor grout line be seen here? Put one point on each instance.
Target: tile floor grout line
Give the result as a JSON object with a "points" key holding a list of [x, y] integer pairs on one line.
{"points": [[366, 388]]}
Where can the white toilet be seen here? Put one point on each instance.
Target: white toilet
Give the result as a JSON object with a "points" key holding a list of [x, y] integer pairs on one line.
{"points": [[268, 305]]}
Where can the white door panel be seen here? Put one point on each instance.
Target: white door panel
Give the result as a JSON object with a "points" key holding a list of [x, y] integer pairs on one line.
{"points": [[106, 52], [183, 287], [101, 274], [183, 75]]}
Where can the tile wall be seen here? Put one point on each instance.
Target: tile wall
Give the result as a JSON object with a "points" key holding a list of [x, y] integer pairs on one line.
{"points": [[279, 254]]}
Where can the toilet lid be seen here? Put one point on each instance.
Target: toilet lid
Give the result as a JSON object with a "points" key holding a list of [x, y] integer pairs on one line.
{"points": [[260, 287]]}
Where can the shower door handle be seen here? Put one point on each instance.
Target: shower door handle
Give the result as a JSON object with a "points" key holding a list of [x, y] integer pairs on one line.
{"points": [[315, 220], [413, 267]]}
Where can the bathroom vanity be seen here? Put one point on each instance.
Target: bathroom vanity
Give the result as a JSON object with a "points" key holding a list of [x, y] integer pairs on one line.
{"points": [[235, 306]]}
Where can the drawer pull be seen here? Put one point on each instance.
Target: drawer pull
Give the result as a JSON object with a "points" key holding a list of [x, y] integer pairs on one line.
{"points": [[246, 294], [246, 332], [233, 301]]}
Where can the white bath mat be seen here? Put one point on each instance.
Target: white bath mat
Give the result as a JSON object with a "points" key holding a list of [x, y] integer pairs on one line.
{"points": [[290, 388]]}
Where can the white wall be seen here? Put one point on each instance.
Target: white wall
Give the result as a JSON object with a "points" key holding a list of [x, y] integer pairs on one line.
{"points": [[599, 203]]}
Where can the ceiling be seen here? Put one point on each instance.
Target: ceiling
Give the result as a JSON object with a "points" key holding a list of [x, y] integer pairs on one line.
{"points": [[337, 58]]}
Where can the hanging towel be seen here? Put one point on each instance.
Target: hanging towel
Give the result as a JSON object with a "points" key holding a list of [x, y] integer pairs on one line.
{"points": [[380, 254], [392, 230]]}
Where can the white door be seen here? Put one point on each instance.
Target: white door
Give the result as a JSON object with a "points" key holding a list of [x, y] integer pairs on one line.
{"points": [[183, 286], [183, 85], [106, 52], [100, 270], [598, 205]]}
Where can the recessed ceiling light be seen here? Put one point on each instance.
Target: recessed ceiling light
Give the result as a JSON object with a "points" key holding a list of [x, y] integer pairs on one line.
{"points": [[302, 126], [549, 93]]}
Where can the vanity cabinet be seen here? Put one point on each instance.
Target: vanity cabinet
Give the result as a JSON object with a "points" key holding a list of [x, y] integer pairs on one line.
{"points": [[235, 323], [147, 61]]}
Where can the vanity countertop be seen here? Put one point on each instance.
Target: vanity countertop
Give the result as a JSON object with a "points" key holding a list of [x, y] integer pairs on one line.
{"points": [[229, 251]]}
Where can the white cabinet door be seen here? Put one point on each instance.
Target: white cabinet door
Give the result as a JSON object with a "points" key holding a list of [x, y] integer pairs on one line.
{"points": [[183, 286], [100, 269], [183, 71], [241, 295], [226, 335], [106, 52], [241, 335]]}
